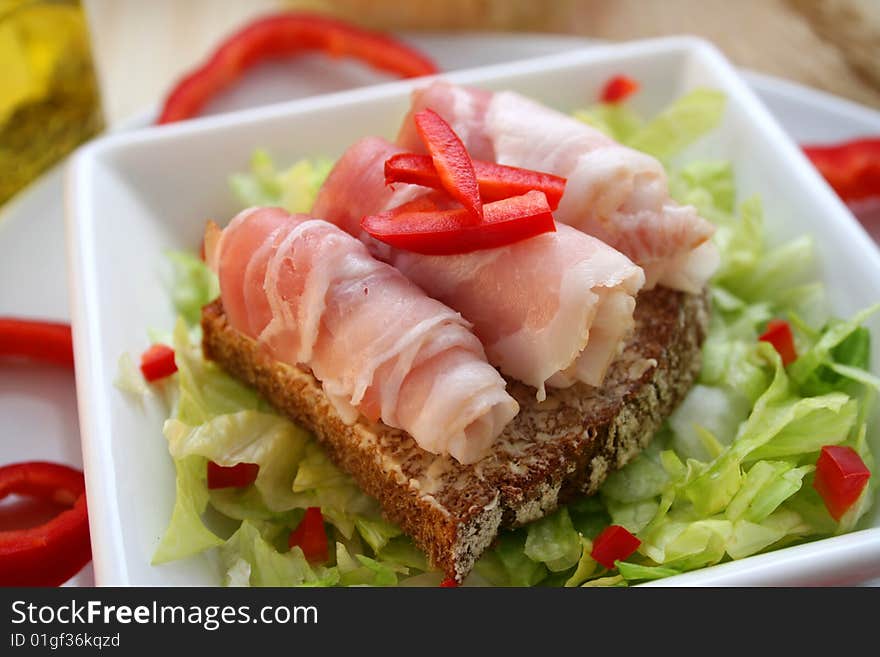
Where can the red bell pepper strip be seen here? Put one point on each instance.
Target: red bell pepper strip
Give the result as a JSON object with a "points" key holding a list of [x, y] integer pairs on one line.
{"points": [[851, 168], [286, 34], [233, 476], [449, 583], [49, 342], [496, 181], [451, 160], [618, 89], [614, 544], [841, 476], [449, 232], [779, 334], [311, 536], [157, 362], [52, 553]]}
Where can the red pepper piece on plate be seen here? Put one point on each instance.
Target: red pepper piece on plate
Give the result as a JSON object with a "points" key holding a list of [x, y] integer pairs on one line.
{"points": [[311, 536], [449, 232], [618, 89], [496, 181], [49, 342], [852, 168], [157, 362], [841, 476], [614, 544], [52, 553], [779, 334], [449, 583], [233, 476], [454, 166], [285, 34]]}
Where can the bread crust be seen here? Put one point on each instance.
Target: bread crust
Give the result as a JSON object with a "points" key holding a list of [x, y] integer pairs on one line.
{"points": [[550, 453]]}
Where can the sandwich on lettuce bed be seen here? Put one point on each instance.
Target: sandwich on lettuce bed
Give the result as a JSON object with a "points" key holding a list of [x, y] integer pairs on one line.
{"points": [[476, 378]]}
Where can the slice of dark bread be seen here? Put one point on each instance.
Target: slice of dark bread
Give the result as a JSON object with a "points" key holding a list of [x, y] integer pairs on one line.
{"points": [[551, 452]]}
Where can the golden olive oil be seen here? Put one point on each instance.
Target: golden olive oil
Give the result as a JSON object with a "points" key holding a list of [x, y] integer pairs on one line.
{"points": [[49, 101]]}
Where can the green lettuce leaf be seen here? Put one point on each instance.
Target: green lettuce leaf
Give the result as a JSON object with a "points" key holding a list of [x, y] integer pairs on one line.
{"points": [[587, 567], [617, 120], [633, 572], [129, 378], [516, 567], [686, 120], [779, 425], [191, 285], [644, 478], [376, 532], [266, 565], [707, 185], [553, 541], [686, 545], [206, 391], [272, 442], [400, 551], [293, 189], [609, 581], [708, 413], [320, 483], [752, 537], [589, 515], [360, 570], [187, 534], [844, 343]]}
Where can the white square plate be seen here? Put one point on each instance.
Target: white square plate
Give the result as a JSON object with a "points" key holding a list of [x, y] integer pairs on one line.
{"points": [[133, 195]]}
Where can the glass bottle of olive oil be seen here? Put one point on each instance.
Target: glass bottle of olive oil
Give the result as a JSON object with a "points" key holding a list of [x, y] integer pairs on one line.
{"points": [[49, 100]]}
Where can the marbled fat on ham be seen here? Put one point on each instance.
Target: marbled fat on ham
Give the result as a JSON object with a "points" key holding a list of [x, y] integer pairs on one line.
{"points": [[313, 296], [552, 309], [614, 193]]}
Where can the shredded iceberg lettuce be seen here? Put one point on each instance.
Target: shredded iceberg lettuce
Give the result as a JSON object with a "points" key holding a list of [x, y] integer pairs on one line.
{"points": [[191, 285], [729, 475], [217, 418], [293, 189]]}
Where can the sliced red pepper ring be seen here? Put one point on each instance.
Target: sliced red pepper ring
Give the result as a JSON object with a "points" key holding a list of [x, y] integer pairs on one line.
{"points": [[157, 362], [615, 543], [49, 342], [779, 334], [841, 476], [52, 553], [285, 34], [496, 181], [450, 232], [449, 583], [852, 168], [233, 476], [452, 162], [310, 536], [618, 89]]}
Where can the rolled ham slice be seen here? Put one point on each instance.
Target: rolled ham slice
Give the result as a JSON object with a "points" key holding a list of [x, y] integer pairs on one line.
{"points": [[614, 193], [314, 297], [553, 309]]}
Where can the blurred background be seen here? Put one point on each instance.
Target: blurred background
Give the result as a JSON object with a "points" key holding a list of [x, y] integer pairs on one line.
{"points": [[140, 47]]}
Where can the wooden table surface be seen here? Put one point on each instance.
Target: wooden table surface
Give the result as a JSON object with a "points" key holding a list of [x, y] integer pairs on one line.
{"points": [[142, 47]]}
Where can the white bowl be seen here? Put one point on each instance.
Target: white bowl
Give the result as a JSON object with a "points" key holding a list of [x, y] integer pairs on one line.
{"points": [[133, 195]]}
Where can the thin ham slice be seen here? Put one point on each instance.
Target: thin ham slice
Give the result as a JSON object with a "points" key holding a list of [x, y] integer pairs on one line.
{"points": [[551, 309], [314, 297], [613, 192]]}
